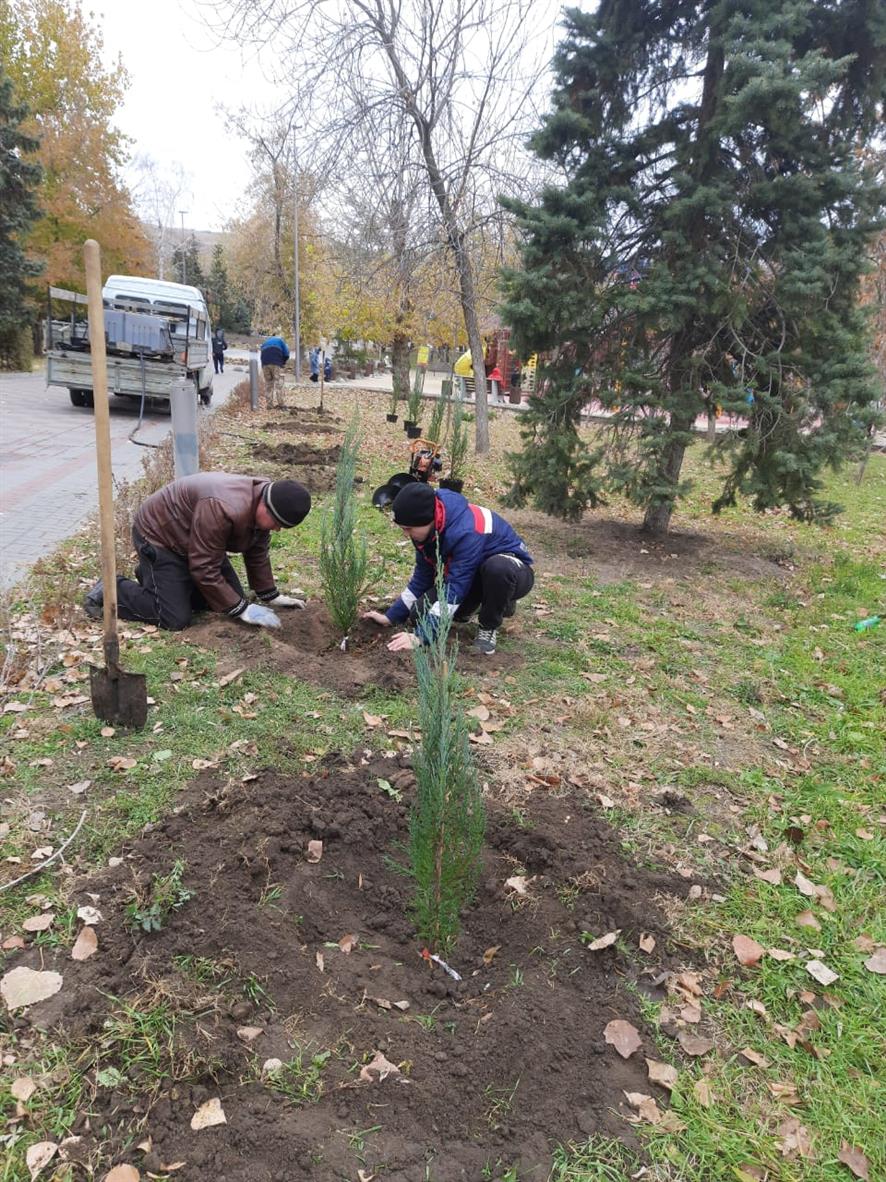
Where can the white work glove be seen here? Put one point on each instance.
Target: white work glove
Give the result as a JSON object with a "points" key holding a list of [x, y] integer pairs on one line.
{"points": [[286, 601], [263, 616]]}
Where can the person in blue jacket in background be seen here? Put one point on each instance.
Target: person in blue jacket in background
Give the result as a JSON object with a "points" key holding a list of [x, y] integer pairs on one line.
{"points": [[274, 355], [486, 565]]}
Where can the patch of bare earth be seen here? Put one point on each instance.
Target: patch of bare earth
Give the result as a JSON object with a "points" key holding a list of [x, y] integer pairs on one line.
{"points": [[300, 957]]}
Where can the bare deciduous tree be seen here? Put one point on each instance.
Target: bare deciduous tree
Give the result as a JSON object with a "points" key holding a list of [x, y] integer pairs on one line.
{"points": [[458, 74]]}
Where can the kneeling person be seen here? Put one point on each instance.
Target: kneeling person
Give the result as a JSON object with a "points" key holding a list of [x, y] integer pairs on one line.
{"points": [[486, 565], [183, 534]]}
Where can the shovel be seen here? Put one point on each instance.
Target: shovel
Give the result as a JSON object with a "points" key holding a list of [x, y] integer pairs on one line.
{"points": [[118, 698]]}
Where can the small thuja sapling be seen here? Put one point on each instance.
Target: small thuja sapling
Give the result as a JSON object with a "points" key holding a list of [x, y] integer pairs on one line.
{"points": [[448, 820], [458, 442], [413, 405], [343, 556], [436, 429], [167, 894]]}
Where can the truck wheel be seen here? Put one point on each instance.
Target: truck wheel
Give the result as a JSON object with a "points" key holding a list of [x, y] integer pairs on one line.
{"points": [[81, 397]]}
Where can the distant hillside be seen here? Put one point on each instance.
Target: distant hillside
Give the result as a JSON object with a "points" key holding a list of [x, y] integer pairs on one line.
{"points": [[166, 240]]}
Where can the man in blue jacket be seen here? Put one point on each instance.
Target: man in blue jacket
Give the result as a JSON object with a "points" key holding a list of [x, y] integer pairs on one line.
{"points": [[274, 355], [486, 565]]}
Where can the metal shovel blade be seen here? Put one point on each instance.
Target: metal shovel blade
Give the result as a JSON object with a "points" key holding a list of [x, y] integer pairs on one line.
{"points": [[118, 698]]}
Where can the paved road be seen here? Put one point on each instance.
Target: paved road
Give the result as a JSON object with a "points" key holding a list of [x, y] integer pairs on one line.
{"points": [[47, 463]]}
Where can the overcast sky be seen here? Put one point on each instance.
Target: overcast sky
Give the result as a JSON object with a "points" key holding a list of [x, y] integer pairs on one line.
{"points": [[179, 73]]}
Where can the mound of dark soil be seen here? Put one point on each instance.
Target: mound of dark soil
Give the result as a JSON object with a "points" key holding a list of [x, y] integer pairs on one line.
{"points": [[307, 646], [490, 1070]]}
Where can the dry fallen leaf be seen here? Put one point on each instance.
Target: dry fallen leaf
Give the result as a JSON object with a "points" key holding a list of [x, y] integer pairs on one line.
{"points": [[702, 1091], [315, 851], [779, 954], [489, 954], [773, 876], [380, 1068], [348, 942], [518, 883], [38, 923], [604, 941], [855, 1160], [623, 1036], [805, 886], [647, 943], [822, 974], [228, 678], [795, 1139], [806, 919], [754, 1057], [661, 1073], [123, 1174], [372, 719], [23, 1088], [747, 951], [479, 712], [85, 945], [22, 986], [646, 1107], [39, 1155], [319, 960], [877, 962], [481, 738], [786, 1092], [209, 1114], [694, 1044], [249, 1034]]}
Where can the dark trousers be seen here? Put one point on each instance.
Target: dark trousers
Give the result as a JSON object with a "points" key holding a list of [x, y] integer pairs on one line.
{"points": [[497, 585], [218, 360], [165, 593]]}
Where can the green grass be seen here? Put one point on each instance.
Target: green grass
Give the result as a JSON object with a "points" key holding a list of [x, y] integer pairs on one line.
{"points": [[724, 640]]}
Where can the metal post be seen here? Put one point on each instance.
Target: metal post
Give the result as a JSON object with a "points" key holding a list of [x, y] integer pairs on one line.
{"points": [[253, 380], [182, 212], [184, 428], [296, 313]]}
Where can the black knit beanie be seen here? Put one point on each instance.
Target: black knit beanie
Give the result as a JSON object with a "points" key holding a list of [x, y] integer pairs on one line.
{"points": [[288, 501], [414, 505]]}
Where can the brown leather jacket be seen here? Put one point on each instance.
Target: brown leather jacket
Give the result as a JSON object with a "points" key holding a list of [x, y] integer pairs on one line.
{"points": [[205, 517]]}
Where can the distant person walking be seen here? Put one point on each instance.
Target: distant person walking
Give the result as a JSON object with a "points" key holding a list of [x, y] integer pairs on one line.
{"points": [[274, 355], [219, 344]]}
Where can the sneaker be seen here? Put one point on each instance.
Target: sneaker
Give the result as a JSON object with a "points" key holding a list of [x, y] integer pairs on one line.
{"points": [[485, 642], [94, 602]]}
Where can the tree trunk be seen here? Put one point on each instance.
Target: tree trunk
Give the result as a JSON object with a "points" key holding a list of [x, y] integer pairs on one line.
{"points": [[454, 236], [400, 366], [657, 517]]}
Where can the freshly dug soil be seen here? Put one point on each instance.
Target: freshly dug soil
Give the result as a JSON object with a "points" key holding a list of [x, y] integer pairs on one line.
{"points": [[492, 1069], [307, 646], [313, 466]]}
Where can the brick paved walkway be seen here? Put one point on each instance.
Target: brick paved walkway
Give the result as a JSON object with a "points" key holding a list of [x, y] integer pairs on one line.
{"points": [[47, 463]]}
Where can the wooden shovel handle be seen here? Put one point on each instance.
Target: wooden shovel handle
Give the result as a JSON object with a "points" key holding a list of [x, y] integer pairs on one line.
{"points": [[100, 401]]}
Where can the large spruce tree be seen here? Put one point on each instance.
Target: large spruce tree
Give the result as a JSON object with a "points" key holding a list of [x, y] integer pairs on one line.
{"points": [[704, 250], [19, 179]]}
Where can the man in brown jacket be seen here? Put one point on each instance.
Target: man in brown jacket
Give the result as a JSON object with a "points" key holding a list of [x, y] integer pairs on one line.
{"points": [[183, 534]]}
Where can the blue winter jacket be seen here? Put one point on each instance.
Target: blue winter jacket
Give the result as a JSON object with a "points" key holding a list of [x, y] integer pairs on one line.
{"points": [[274, 351], [466, 535]]}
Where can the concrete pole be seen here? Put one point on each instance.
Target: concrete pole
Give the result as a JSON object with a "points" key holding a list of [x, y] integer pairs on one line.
{"points": [[186, 450], [253, 380]]}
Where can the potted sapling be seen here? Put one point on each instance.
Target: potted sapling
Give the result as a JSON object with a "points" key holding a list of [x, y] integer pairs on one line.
{"points": [[457, 448], [393, 407]]}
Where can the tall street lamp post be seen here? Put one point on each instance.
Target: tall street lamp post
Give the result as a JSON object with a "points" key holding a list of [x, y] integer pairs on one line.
{"points": [[296, 303], [182, 212]]}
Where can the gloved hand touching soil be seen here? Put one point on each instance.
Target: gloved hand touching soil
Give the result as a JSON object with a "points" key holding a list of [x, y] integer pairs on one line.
{"points": [[263, 616]]}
